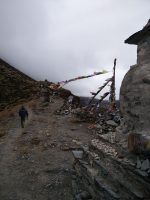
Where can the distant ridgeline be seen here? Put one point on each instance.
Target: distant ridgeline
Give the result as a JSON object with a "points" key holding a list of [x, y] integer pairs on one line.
{"points": [[14, 85]]}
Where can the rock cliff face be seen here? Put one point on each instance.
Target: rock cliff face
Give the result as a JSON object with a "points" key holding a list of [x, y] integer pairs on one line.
{"points": [[134, 93], [14, 85]]}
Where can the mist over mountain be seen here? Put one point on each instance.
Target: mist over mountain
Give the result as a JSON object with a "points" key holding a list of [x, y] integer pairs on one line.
{"points": [[58, 40]]}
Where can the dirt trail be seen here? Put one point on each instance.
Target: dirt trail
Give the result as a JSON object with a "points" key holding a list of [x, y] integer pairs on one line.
{"points": [[36, 163]]}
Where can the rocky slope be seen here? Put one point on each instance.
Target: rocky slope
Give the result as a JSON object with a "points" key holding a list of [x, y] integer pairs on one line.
{"points": [[14, 85], [104, 172]]}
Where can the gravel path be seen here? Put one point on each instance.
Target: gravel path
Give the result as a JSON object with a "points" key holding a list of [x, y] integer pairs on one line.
{"points": [[36, 162]]}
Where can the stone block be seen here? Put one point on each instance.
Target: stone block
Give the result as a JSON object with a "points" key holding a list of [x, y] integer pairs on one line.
{"points": [[145, 165], [78, 154]]}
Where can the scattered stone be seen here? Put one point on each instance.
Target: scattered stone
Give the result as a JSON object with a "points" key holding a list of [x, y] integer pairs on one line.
{"points": [[85, 148], [77, 197], [92, 171], [48, 185], [45, 145], [35, 141], [83, 162], [76, 142], [110, 137], [65, 147], [98, 126], [138, 165], [52, 145], [111, 123], [15, 148], [106, 188], [142, 173], [120, 156], [73, 129], [47, 134], [74, 187], [145, 165], [85, 195], [74, 177], [78, 154], [148, 171], [104, 147]]}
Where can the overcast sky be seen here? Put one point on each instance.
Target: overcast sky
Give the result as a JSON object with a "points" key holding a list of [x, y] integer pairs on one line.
{"points": [[61, 39]]}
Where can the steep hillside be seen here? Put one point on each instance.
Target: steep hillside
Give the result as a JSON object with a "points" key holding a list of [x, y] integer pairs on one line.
{"points": [[14, 85]]}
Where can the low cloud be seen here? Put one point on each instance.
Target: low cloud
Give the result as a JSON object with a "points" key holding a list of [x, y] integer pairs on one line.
{"points": [[61, 39]]}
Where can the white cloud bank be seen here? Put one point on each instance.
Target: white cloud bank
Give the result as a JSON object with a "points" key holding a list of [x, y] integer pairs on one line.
{"points": [[61, 39]]}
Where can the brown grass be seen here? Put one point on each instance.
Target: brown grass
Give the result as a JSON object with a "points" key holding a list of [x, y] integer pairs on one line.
{"points": [[32, 104], [10, 112]]}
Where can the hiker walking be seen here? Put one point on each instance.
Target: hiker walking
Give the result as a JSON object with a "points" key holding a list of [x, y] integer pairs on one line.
{"points": [[23, 113]]}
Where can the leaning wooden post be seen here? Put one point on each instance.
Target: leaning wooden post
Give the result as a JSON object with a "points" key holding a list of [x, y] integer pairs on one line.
{"points": [[113, 88], [100, 89]]}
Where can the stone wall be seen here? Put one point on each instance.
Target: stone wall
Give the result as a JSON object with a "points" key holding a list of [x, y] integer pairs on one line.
{"points": [[103, 171], [135, 99], [134, 92], [143, 51]]}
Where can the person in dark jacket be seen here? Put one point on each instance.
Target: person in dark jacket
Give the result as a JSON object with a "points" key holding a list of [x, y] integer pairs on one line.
{"points": [[23, 113]]}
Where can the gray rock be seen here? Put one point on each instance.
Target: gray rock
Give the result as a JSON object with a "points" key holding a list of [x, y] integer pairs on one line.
{"points": [[98, 126], [85, 195], [106, 188], [74, 177], [78, 197], [78, 154], [74, 187], [142, 173], [138, 165], [85, 148], [111, 123], [145, 165]]}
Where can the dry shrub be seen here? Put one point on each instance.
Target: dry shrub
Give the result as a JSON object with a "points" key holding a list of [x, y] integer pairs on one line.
{"points": [[4, 113], [11, 114], [32, 105]]}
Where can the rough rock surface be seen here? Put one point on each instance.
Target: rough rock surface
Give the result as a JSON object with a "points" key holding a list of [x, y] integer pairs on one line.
{"points": [[134, 95], [14, 85], [135, 98]]}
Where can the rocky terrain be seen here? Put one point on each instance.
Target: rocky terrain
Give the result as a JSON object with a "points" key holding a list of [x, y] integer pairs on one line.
{"points": [[14, 85], [57, 156], [65, 151], [36, 162]]}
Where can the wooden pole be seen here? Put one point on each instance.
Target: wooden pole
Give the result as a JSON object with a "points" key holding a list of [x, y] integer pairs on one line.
{"points": [[113, 88], [100, 89]]}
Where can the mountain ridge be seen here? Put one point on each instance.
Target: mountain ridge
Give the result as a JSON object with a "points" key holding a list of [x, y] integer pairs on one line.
{"points": [[14, 85]]}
